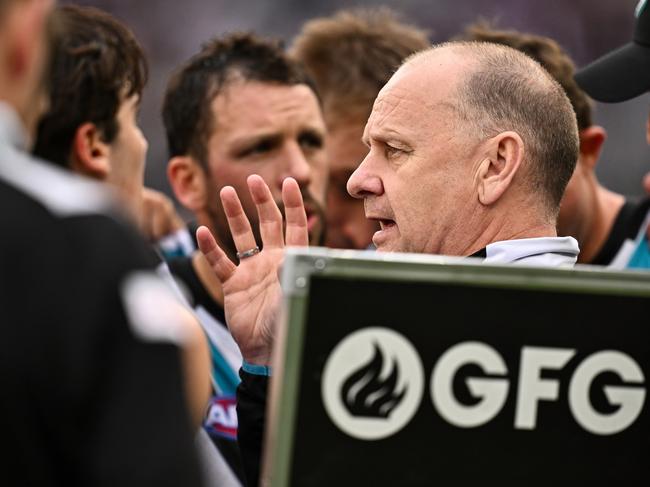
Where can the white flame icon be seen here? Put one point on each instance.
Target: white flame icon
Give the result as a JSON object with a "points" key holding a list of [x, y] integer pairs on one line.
{"points": [[373, 383]]}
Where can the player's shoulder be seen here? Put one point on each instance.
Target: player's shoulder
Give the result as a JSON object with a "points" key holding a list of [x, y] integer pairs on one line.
{"points": [[61, 192], [43, 200]]}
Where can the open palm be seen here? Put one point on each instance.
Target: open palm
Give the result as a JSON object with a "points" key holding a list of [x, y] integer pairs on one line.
{"points": [[252, 293]]}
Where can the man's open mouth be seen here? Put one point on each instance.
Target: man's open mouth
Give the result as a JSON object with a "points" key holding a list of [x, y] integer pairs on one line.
{"points": [[385, 223], [387, 231]]}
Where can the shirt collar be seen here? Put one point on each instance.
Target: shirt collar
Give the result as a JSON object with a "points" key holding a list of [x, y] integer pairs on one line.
{"points": [[528, 248], [12, 130]]}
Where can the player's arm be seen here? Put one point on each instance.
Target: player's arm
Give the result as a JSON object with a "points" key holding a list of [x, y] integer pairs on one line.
{"points": [[196, 366]]}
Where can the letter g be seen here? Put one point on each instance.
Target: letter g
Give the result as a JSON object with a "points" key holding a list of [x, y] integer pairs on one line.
{"points": [[629, 399], [493, 392]]}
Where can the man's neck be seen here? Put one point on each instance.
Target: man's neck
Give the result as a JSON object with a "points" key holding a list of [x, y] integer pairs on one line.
{"points": [[485, 239], [607, 207], [489, 225]]}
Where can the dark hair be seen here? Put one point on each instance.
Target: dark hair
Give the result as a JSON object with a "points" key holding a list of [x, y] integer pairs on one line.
{"points": [[187, 112], [96, 64], [545, 51], [352, 54]]}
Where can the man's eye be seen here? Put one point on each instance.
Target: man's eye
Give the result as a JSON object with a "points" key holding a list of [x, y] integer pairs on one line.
{"points": [[311, 141], [260, 148], [392, 151]]}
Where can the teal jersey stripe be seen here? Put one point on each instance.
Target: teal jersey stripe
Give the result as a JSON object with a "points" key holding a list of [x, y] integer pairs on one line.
{"points": [[223, 375], [641, 256]]}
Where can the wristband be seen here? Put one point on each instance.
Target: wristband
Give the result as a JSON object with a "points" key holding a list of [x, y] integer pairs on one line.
{"points": [[255, 369]]}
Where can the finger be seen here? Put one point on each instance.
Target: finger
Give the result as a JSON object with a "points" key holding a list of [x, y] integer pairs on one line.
{"points": [[240, 227], [268, 212], [294, 211], [218, 260]]}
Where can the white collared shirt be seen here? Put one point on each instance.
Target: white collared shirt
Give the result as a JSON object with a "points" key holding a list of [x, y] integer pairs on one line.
{"points": [[62, 192], [544, 251]]}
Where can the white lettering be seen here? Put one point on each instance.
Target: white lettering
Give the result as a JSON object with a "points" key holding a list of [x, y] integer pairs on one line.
{"points": [[630, 400], [224, 416], [492, 392], [532, 387]]}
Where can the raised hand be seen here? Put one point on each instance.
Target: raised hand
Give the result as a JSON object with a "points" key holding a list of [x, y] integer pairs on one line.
{"points": [[252, 293]]}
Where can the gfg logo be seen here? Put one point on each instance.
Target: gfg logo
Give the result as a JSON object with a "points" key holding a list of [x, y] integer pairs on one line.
{"points": [[493, 392], [364, 392], [373, 383]]}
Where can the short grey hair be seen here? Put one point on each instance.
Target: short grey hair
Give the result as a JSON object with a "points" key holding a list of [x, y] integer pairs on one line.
{"points": [[505, 90]]}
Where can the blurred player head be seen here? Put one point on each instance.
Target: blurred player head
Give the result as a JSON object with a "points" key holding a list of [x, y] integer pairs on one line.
{"points": [[25, 28], [96, 78], [624, 73], [350, 56]]}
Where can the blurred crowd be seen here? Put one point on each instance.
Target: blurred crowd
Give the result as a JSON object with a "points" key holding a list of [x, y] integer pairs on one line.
{"points": [[135, 345]]}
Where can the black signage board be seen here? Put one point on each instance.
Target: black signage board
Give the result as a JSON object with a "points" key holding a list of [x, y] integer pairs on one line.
{"points": [[441, 372]]}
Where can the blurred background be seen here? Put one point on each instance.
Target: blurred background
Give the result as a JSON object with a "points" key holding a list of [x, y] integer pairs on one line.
{"points": [[172, 30]]}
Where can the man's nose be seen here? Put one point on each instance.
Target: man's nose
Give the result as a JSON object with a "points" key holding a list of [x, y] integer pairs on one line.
{"points": [[364, 182], [296, 165]]}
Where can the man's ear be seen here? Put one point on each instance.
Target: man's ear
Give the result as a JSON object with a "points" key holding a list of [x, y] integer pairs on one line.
{"points": [[499, 166], [591, 144], [188, 181], [90, 155]]}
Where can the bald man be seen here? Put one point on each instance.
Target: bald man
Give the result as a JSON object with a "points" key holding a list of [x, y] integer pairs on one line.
{"points": [[471, 146]]}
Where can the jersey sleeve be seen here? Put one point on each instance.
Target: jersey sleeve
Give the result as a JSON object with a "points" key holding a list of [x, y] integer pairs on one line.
{"points": [[251, 413]]}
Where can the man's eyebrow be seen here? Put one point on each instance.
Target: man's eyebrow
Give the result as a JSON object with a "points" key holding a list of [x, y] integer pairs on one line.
{"points": [[251, 139], [313, 130], [389, 136]]}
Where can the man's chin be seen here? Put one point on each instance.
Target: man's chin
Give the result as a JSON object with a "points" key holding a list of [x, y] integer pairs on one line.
{"points": [[387, 247], [387, 239]]}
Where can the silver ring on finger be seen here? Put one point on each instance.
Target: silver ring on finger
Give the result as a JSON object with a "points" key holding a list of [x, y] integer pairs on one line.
{"points": [[248, 253]]}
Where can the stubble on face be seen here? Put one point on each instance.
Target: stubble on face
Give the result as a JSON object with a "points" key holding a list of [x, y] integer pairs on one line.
{"points": [[347, 225], [274, 131]]}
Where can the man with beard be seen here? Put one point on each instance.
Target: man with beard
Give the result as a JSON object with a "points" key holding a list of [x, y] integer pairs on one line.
{"points": [[238, 107]]}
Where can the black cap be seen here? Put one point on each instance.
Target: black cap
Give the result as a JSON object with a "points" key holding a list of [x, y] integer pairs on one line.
{"points": [[624, 73]]}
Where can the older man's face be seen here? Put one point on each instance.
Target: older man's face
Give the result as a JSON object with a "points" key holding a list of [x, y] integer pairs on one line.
{"points": [[417, 178]]}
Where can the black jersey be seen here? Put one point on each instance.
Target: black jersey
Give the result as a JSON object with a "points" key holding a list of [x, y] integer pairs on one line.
{"points": [[91, 391], [220, 421], [627, 244]]}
